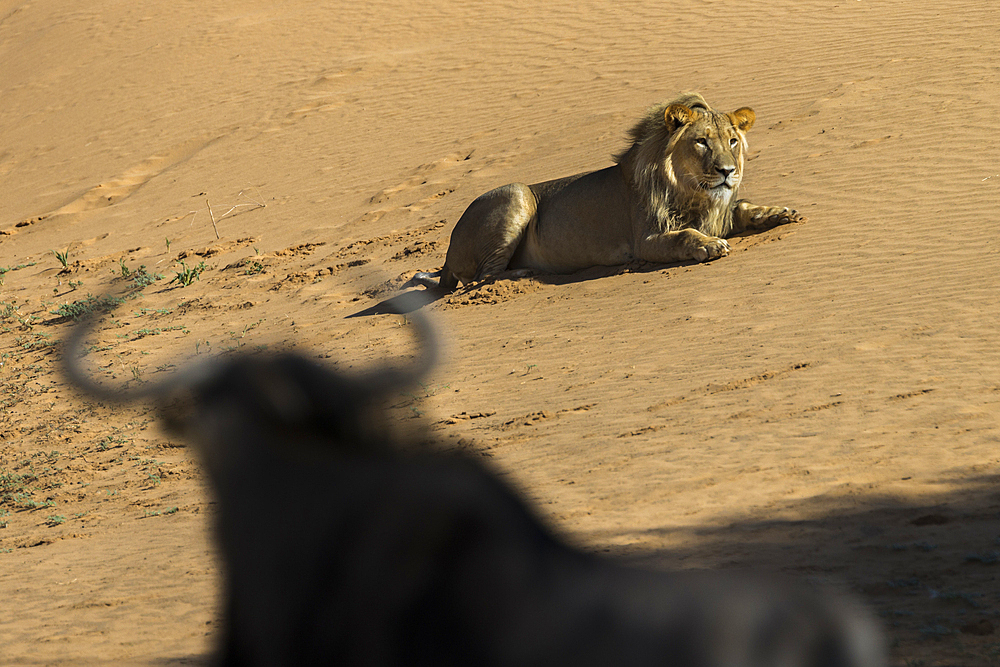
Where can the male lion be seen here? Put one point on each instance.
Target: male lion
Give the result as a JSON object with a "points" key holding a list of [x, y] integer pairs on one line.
{"points": [[672, 196]]}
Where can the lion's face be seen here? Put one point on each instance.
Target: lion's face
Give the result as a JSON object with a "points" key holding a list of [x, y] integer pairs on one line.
{"points": [[707, 148]]}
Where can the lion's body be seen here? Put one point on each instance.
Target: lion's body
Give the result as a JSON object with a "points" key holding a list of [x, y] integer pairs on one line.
{"points": [[672, 196]]}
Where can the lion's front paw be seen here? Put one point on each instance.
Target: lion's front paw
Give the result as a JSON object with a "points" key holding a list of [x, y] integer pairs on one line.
{"points": [[783, 216], [711, 248], [765, 217]]}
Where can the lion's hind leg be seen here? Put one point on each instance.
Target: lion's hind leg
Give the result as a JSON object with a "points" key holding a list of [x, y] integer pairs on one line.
{"points": [[488, 233]]}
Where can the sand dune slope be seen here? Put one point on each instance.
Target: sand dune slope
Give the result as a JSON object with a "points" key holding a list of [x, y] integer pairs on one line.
{"points": [[825, 401]]}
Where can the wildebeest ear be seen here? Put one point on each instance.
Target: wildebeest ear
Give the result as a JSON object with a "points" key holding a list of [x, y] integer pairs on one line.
{"points": [[743, 118], [678, 115]]}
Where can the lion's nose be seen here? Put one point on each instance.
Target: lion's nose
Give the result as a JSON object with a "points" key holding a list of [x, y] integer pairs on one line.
{"points": [[725, 171]]}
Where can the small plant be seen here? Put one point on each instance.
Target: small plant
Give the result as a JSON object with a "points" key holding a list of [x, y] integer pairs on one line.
{"points": [[88, 305], [54, 520], [142, 333], [123, 268], [250, 327], [158, 311], [254, 268], [187, 276], [63, 257], [7, 269], [8, 312], [112, 440], [238, 337], [168, 245], [143, 278]]}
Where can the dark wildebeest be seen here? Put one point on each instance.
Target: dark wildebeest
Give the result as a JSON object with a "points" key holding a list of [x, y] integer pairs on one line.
{"points": [[341, 546]]}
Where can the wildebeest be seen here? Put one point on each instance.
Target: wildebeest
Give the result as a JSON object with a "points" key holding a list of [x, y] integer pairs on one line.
{"points": [[344, 546]]}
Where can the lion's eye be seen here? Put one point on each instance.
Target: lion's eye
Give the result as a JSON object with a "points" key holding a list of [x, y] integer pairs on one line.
{"points": [[733, 142], [702, 142]]}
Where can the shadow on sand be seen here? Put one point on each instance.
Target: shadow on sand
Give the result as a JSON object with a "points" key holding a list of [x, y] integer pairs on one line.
{"points": [[929, 568], [400, 303]]}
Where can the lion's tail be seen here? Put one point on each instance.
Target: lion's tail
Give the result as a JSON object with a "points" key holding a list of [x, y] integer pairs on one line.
{"points": [[426, 279], [446, 280]]}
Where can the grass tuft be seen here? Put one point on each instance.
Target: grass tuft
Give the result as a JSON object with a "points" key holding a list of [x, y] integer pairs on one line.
{"points": [[186, 275], [86, 306]]}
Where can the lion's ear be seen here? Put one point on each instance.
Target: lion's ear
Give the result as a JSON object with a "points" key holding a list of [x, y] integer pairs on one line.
{"points": [[677, 115], [743, 118]]}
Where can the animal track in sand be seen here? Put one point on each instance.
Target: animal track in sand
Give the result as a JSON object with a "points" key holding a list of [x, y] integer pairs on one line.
{"points": [[98, 262], [218, 248], [116, 190], [302, 277], [766, 414], [357, 253], [322, 93], [857, 89], [299, 250], [534, 418], [465, 416], [416, 249], [319, 103], [263, 263], [490, 291], [436, 177], [715, 387], [424, 175], [366, 246]]}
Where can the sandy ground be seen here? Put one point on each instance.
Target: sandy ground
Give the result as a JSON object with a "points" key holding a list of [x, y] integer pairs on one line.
{"points": [[824, 402]]}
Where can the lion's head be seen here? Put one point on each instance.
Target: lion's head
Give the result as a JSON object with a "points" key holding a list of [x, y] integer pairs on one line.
{"points": [[686, 161]]}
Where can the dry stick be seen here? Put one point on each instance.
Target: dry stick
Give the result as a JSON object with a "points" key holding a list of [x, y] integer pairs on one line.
{"points": [[256, 204], [217, 237]]}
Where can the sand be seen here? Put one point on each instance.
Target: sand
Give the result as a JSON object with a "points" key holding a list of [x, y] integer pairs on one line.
{"points": [[823, 402]]}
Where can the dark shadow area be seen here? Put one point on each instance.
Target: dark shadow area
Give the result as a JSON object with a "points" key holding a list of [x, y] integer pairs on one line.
{"points": [[199, 660], [929, 568], [402, 303], [597, 272], [394, 304]]}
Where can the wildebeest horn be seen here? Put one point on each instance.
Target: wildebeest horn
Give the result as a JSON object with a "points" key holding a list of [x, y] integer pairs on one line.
{"points": [[383, 380], [378, 380]]}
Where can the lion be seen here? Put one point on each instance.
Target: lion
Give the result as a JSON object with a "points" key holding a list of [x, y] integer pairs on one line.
{"points": [[670, 197]]}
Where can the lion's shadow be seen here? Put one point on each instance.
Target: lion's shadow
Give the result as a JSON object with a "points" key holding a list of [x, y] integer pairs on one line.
{"points": [[399, 304]]}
